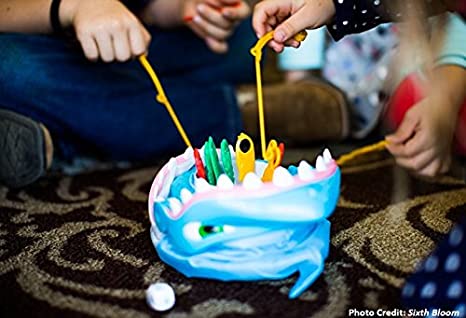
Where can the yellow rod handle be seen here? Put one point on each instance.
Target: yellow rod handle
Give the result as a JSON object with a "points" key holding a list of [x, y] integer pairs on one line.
{"points": [[379, 146], [245, 156], [162, 98], [256, 51], [274, 157], [260, 105]]}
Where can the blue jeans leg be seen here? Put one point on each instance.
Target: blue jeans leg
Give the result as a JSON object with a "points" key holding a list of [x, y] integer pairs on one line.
{"points": [[111, 108]]}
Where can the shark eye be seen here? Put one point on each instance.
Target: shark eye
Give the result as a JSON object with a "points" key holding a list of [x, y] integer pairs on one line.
{"points": [[207, 230]]}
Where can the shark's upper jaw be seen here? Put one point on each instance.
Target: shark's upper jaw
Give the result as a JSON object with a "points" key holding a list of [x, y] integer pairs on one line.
{"points": [[200, 189]]}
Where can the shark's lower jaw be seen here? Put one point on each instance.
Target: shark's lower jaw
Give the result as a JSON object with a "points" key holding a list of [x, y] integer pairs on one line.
{"points": [[249, 231], [304, 253]]}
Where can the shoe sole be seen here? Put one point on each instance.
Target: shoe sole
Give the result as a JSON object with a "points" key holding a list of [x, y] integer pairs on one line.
{"points": [[22, 150]]}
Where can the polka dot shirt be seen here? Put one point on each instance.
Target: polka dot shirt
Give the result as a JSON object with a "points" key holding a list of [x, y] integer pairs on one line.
{"points": [[440, 281], [353, 16]]}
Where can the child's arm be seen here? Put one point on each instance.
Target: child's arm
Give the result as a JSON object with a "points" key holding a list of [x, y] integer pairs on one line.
{"points": [[25, 16], [423, 140], [288, 17], [105, 30]]}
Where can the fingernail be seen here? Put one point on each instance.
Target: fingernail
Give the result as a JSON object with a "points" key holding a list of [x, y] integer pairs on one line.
{"points": [[258, 35], [197, 19], [226, 13], [200, 8], [279, 36]]}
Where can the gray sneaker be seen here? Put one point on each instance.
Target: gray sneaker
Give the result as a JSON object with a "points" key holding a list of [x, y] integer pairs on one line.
{"points": [[22, 150]]}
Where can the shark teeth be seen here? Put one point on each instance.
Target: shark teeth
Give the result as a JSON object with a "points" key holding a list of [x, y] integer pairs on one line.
{"points": [[327, 156], [282, 177], [185, 195], [252, 182], [202, 185], [224, 182], [320, 164], [305, 171], [175, 205], [232, 150], [159, 199]]}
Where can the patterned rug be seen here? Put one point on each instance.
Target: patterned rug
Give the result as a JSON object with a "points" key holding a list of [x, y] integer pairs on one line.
{"points": [[79, 246]]}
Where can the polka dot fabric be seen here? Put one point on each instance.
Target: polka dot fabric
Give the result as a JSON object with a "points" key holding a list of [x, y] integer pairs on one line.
{"points": [[354, 16], [440, 281]]}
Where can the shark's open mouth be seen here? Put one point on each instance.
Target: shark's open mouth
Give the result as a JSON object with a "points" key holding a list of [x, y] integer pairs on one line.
{"points": [[245, 231], [198, 189]]}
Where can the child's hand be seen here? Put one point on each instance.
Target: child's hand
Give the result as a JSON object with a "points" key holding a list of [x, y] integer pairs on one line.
{"points": [[215, 20], [423, 140], [288, 17], [106, 30]]}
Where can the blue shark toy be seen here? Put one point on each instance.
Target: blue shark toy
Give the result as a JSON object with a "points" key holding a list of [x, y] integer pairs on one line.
{"points": [[251, 230]]}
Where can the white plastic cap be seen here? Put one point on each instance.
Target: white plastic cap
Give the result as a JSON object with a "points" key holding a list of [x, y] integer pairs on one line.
{"points": [[160, 296]]}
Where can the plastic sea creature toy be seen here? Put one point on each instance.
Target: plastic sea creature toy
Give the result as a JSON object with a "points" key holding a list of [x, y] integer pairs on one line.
{"points": [[247, 230]]}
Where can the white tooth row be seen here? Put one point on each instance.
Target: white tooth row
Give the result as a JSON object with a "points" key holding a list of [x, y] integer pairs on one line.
{"points": [[175, 204], [281, 178]]}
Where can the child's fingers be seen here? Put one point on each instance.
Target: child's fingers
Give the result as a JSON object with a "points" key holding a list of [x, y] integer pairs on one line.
{"points": [[288, 28], [275, 20], [217, 46], [412, 148], [213, 44], [272, 23], [396, 150], [408, 149], [198, 30], [416, 145], [121, 46], [104, 44], [404, 132], [262, 12], [213, 16], [277, 47], [238, 12], [139, 39], [89, 46], [210, 29], [216, 4], [293, 43], [416, 163], [431, 169]]}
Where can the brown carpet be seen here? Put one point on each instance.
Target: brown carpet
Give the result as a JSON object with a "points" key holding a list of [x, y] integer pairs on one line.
{"points": [[79, 246]]}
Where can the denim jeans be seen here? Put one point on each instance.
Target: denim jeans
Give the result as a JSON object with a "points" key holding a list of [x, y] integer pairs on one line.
{"points": [[110, 109]]}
